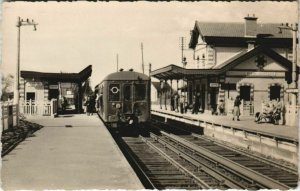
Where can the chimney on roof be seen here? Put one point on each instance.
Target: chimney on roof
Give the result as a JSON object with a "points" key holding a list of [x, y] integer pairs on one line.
{"points": [[250, 26]]}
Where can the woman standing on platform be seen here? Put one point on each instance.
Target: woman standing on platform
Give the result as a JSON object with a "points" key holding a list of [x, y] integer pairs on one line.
{"points": [[236, 110]]}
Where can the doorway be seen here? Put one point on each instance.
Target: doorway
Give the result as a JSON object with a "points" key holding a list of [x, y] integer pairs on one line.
{"points": [[245, 96], [245, 93]]}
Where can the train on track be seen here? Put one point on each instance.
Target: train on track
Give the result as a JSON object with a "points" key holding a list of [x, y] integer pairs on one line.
{"points": [[123, 98]]}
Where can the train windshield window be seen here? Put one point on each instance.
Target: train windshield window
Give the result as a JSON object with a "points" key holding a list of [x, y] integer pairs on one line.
{"points": [[140, 92], [114, 92]]}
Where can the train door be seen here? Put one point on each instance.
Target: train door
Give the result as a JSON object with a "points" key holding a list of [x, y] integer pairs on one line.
{"points": [[127, 98]]}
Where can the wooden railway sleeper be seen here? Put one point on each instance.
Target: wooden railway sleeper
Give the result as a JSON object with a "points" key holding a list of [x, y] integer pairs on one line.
{"points": [[259, 178], [202, 184], [259, 158], [198, 165]]}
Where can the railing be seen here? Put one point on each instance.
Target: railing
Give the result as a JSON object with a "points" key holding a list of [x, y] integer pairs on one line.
{"points": [[9, 115], [31, 107]]}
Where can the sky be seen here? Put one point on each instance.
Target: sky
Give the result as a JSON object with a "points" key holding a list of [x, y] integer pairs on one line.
{"points": [[71, 36]]}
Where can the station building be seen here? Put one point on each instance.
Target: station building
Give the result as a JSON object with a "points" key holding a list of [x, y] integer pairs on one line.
{"points": [[39, 88], [249, 59]]}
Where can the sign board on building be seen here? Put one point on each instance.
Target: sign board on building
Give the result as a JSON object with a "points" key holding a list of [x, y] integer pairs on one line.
{"points": [[53, 87], [213, 85], [69, 96], [69, 92], [294, 90]]}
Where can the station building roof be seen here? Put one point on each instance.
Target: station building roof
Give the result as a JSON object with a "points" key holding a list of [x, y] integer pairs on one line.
{"points": [[233, 34], [61, 77]]}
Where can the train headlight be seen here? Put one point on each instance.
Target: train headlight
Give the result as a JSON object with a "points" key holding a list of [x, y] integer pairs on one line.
{"points": [[113, 104], [130, 121], [118, 106]]}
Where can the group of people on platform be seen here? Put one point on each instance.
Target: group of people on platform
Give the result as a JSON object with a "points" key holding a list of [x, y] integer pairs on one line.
{"points": [[271, 112], [179, 103], [90, 104], [271, 109]]}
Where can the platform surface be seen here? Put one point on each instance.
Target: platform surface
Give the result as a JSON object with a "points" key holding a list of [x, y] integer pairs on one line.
{"points": [[246, 123], [81, 156]]}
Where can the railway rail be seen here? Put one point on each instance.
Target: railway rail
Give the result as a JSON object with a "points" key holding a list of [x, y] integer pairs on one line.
{"points": [[188, 161]]}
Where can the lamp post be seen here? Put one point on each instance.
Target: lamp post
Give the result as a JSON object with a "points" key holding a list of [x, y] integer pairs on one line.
{"points": [[20, 23], [294, 30]]}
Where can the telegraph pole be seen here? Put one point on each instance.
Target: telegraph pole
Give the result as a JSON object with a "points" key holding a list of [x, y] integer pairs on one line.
{"points": [[183, 60], [294, 85], [142, 57], [150, 68], [20, 23], [182, 45]]}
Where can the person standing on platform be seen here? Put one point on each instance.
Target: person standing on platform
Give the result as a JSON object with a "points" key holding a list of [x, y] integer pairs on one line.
{"points": [[236, 110], [195, 104], [87, 104], [221, 107], [64, 103], [172, 102], [92, 104], [182, 104], [176, 100]]}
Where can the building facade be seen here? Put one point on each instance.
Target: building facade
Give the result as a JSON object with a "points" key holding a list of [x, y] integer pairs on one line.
{"points": [[41, 88], [249, 59]]}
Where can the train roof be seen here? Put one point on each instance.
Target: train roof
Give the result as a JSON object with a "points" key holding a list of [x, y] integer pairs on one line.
{"points": [[126, 75]]}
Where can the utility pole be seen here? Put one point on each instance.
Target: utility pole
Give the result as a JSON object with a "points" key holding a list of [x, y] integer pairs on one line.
{"points": [[294, 86], [20, 23], [150, 68], [142, 57], [117, 62], [183, 60], [182, 45]]}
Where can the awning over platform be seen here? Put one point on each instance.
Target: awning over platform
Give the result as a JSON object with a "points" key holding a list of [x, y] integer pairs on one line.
{"points": [[60, 77], [175, 73]]}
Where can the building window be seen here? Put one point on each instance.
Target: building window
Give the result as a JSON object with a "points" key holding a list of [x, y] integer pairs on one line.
{"points": [[275, 92], [30, 96]]}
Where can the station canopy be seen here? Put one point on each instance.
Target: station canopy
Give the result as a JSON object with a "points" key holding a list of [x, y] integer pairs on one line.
{"points": [[59, 77], [176, 72], [173, 72]]}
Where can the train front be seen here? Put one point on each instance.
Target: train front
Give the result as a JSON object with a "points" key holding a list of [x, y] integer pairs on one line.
{"points": [[132, 99]]}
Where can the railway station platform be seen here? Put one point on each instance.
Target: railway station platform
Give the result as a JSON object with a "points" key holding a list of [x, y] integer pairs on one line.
{"points": [[71, 152], [278, 141]]}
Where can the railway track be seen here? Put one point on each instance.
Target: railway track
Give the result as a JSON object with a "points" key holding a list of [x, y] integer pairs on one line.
{"points": [[168, 161], [281, 173]]}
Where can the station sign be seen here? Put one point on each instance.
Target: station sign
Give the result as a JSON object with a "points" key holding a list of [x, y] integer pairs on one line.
{"points": [[69, 96], [294, 90], [53, 87], [213, 85]]}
